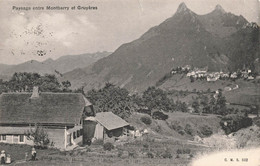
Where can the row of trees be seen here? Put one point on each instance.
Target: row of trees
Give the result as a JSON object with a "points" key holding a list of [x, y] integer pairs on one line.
{"points": [[24, 82], [215, 104], [119, 101]]}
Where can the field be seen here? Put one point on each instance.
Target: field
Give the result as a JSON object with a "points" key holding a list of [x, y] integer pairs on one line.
{"points": [[242, 95], [17, 151], [130, 154], [163, 145]]}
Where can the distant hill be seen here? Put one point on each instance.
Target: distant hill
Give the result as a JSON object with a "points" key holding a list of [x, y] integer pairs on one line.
{"points": [[58, 67], [218, 40]]}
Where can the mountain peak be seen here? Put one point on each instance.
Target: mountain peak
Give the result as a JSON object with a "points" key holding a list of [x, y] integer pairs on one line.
{"points": [[182, 8], [220, 9], [49, 60]]}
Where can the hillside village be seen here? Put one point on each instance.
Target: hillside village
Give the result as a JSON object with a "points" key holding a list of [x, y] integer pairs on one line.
{"points": [[204, 74]]}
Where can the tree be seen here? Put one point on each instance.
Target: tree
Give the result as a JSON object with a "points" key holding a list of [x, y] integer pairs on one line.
{"points": [[212, 103], [112, 98], [192, 79], [39, 136], [195, 105], [3, 86], [181, 106], [80, 90], [24, 82], [66, 85], [155, 98], [49, 83], [221, 104], [205, 103]]}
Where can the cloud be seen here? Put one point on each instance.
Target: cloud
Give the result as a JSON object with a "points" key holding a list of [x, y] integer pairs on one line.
{"points": [[50, 34]]}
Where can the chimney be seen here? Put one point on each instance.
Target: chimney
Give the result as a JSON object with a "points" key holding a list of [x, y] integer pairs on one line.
{"points": [[35, 93]]}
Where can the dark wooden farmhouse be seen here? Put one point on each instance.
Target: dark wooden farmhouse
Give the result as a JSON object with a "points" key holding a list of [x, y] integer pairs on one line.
{"points": [[59, 113]]}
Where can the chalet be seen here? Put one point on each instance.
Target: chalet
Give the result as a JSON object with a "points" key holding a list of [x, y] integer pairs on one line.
{"points": [[187, 67], [250, 78], [233, 75], [224, 75], [211, 78], [174, 72], [192, 73], [103, 126], [59, 113], [227, 88]]}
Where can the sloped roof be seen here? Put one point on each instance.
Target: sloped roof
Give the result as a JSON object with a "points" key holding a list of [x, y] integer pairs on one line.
{"points": [[57, 108], [110, 121], [13, 130]]}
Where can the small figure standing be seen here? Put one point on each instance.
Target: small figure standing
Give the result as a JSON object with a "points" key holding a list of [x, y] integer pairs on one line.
{"points": [[26, 156], [33, 154], [2, 156], [8, 159]]}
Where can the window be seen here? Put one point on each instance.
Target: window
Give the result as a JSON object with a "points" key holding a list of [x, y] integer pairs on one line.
{"points": [[74, 135], [15, 138], [21, 138], [4, 137], [78, 133], [0, 137], [81, 131]]}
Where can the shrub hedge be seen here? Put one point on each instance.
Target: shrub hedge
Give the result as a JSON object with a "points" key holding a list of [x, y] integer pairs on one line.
{"points": [[234, 122], [146, 120]]}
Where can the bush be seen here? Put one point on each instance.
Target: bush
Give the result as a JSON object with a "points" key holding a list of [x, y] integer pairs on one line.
{"points": [[146, 120], [234, 122], [108, 146], [181, 132], [150, 155], [167, 154], [188, 129], [159, 115], [146, 146], [133, 154], [173, 125], [98, 142], [130, 127], [158, 129], [120, 153], [183, 151], [257, 121], [145, 111], [39, 136], [206, 131]]}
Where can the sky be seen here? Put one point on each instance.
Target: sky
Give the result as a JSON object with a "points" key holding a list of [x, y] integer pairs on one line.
{"points": [[42, 34]]}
